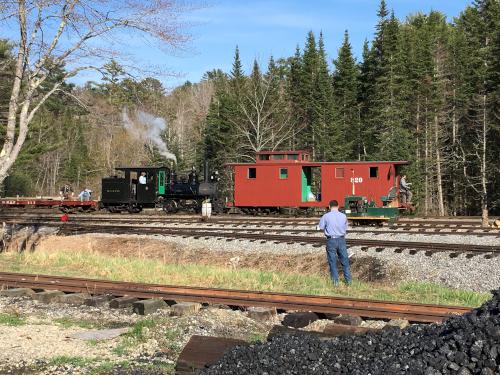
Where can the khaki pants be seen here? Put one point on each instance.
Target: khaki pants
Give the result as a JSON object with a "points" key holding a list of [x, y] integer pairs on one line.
{"points": [[406, 196]]}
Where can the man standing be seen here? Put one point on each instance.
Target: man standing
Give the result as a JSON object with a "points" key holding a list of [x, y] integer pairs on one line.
{"points": [[334, 223], [405, 191]]}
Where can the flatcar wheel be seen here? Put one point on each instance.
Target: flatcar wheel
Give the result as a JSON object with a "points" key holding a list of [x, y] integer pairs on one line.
{"points": [[170, 207]]}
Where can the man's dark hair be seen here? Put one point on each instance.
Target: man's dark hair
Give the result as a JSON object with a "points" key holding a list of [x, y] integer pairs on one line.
{"points": [[334, 203]]}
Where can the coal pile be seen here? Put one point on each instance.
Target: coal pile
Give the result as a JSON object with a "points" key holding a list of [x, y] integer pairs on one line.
{"points": [[468, 344]]}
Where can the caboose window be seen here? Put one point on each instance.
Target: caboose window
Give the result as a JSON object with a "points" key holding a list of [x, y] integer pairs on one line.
{"points": [[264, 157], [252, 172], [339, 172], [283, 173], [278, 157], [373, 172], [293, 156]]}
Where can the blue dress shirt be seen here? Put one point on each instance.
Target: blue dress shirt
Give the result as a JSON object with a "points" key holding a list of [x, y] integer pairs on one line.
{"points": [[334, 223]]}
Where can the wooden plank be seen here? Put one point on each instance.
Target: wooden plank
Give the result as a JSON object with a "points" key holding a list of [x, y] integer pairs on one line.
{"points": [[203, 351]]}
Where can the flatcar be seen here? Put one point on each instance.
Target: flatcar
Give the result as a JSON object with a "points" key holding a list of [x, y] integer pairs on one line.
{"points": [[135, 188], [64, 205], [289, 181]]}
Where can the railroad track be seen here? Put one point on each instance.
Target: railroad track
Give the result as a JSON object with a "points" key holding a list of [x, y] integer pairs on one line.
{"points": [[320, 304], [236, 218], [259, 235], [408, 227]]}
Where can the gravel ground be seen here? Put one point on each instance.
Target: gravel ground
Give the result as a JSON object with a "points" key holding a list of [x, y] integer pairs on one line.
{"points": [[415, 236], [42, 343]]}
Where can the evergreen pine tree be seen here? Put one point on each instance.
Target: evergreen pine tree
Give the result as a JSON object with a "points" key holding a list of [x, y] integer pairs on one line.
{"points": [[306, 98], [366, 83], [345, 99], [294, 93], [328, 139]]}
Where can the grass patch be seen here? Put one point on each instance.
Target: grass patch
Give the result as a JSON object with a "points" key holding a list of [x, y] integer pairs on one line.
{"points": [[137, 335], [70, 360], [12, 320], [66, 322], [172, 339], [256, 338], [137, 332], [93, 265]]}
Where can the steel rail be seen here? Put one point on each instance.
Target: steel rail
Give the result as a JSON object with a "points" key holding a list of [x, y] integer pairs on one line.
{"points": [[258, 235], [270, 228], [263, 220], [321, 304], [392, 228]]}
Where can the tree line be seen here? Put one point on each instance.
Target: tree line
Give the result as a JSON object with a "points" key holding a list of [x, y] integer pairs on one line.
{"points": [[424, 90]]}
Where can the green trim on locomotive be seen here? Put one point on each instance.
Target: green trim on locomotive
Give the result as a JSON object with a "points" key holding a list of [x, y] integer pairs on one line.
{"points": [[161, 182]]}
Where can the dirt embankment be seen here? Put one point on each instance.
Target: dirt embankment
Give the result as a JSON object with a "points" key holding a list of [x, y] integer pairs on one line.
{"points": [[364, 268]]}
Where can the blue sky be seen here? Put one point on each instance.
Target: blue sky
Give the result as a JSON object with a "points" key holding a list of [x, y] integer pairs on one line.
{"points": [[262, 28]]}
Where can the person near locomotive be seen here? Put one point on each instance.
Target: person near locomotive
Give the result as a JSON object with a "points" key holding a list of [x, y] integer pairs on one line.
{"points": [[404, 190], [334, 224], [66, 191]]}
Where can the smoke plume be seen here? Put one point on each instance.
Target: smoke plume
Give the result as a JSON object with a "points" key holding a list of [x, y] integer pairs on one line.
{"points": [[147, 128]]}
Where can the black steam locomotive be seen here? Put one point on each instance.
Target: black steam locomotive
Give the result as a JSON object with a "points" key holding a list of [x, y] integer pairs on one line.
{"points": [[147, 187]]}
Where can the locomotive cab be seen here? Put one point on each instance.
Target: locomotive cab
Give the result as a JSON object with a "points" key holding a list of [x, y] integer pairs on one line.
{"points": [[134, 189]]}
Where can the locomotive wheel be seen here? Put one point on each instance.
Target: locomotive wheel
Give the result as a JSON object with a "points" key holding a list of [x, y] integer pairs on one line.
{"points": [[217, 206], [170, 207], [134, 209]]}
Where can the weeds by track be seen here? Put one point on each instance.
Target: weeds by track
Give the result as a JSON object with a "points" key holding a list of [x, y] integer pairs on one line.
{"points": [[322, 304]]}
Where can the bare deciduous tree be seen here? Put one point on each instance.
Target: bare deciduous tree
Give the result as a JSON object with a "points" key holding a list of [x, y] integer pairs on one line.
{"points": [[266, 121], [77, 34]]}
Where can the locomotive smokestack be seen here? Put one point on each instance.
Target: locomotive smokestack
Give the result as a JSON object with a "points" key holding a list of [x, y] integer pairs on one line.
{"points": [[205, 170]]}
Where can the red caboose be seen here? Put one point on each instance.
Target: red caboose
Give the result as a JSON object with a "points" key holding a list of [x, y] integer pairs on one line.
{"points": [[291, 179]]}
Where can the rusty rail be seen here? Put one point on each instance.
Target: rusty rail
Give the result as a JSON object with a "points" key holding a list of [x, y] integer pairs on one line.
{"points": [[320, 304]]}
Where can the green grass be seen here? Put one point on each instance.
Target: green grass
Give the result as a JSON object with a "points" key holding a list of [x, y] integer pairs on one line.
{"points": [[135, 336], [256, 338], [98, 366], [137, 332], [92, 265], [172, 339], [70, 360], [12, 320], [66, 322]]}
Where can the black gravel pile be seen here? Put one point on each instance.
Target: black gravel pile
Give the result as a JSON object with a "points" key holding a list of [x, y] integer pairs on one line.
{"points": [[469, 344]]}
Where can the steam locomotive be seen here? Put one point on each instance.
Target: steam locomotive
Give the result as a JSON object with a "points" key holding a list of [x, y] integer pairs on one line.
{"points": [[135, 188]]}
